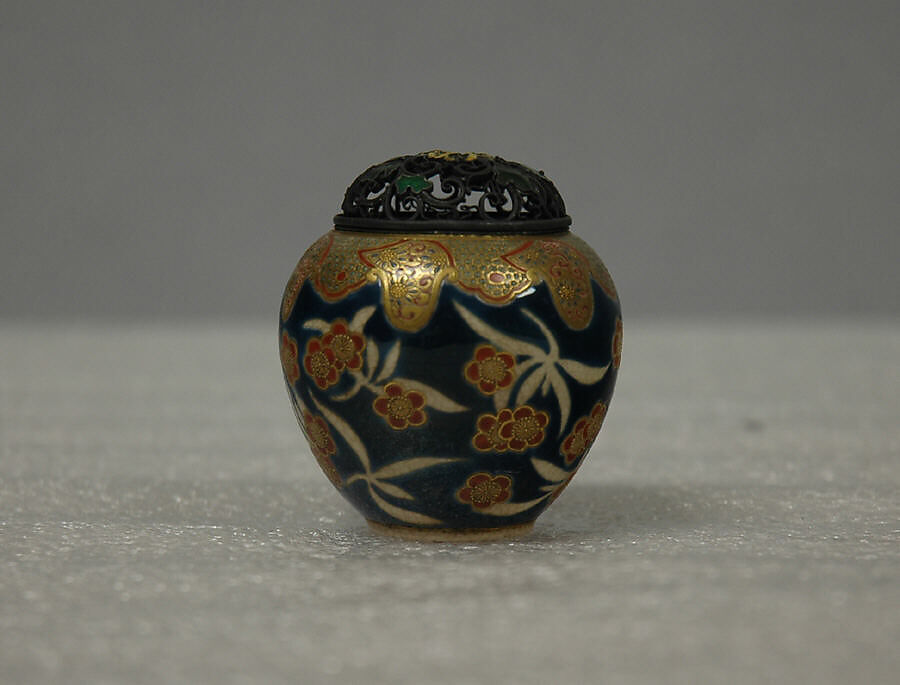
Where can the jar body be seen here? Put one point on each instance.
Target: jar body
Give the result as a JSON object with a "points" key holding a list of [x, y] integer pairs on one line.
{"points": [[450, 381]]}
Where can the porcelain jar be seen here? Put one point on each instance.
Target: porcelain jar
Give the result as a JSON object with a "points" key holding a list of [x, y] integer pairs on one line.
{"points": [[450, 347]]}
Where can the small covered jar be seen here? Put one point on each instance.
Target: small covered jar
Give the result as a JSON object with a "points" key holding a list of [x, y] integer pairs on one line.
{"points": [[450, 348]]}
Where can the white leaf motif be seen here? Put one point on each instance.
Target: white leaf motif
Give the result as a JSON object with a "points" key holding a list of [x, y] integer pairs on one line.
{"points": [[316, 324], [343, 428], [530, 386], [390, 362], [433, 398], [392, 489], [587, 375], [358, 322], [297, 404], [545, 377], [511, 508], [501, 397], [501, 340], [553, 346], [401, 468], [562, 395], [358, 384], [371, 360], [402, 514], [549, 471]]}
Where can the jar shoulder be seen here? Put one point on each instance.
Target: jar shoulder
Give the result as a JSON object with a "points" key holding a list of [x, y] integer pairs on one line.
{"points": [[412, 268]]}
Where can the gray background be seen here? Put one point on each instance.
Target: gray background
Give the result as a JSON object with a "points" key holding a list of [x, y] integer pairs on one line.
{"points": [[174, 159], [161, 518]]}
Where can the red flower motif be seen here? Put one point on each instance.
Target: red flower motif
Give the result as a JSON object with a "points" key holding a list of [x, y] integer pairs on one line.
{"points": [[400, 408], [585, 431], [320, 363], [490, 370], [488, 439], [617, 344], [525, 429], [595, 422], [289, 358], [346, 345], [322, 445], [574, 445], [482, 490]]}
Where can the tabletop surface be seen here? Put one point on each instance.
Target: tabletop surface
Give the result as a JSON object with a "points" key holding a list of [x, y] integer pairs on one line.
{"points": [[162, 520]]}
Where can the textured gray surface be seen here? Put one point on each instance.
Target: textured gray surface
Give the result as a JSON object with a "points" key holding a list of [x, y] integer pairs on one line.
{"points": [[192, 147], [738, 521]]}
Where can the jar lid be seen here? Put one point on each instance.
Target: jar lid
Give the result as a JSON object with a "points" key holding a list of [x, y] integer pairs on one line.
{"points": [[452, 192]]}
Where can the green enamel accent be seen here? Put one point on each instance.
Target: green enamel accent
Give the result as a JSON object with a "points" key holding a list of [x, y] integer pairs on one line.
{"points": [[417, 183]]}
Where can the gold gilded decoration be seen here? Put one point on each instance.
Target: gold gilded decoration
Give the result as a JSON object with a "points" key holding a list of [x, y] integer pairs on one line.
{"points": [[456, 156], [483, 271], [598, 269], [411, 273], [305, 267], [289, 358], [340, 270], [567, 274]]}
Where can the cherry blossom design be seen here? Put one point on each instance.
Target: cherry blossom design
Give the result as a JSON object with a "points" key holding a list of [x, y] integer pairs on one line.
{"points": [[490, 370], [595, 422], [289, 358], [488, 439], [537, 369], [579, 441], [509, 429], [574, 445], [320, 440], [346, 345], [400, 408], [617, 345], [322, 445], [320, 363], [482, 490], [525, 429]]}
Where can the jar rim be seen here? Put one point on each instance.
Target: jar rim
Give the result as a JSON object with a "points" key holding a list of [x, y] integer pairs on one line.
{"points": [[480, 227]]}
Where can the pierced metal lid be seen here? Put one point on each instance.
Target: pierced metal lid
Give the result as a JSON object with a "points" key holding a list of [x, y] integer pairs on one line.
{"points": [[452, 192]]}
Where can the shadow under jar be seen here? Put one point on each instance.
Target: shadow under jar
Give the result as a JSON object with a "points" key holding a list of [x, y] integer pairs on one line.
{"points": [[450, 348]]}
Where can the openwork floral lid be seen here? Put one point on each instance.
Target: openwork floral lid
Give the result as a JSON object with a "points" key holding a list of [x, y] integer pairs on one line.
{"points": [[438, 191]]}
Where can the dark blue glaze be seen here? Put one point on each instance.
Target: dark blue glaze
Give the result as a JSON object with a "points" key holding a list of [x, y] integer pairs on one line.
{"points": [[437, 356]]}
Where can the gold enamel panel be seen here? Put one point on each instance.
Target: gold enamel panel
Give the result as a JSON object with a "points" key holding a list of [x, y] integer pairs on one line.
{"points": [[412, 270]]}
